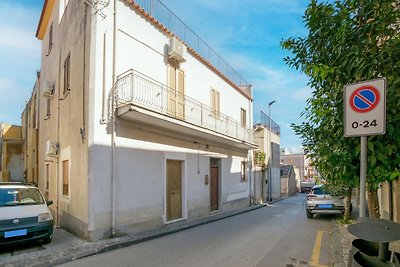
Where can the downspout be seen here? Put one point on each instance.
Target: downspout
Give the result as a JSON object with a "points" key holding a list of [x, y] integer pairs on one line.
{"points": [[83, 129], [113, 123], [58, 143]]}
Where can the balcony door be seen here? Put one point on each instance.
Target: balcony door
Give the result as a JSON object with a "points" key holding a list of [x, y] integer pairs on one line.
{"points": [[176, 92]]}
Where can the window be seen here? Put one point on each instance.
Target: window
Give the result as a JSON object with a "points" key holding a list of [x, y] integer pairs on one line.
{"points": [[48, 109], [65, 184], [47, 181], [67, 66], [243, 171], [50, 39], [215, 102], [243, 117]]}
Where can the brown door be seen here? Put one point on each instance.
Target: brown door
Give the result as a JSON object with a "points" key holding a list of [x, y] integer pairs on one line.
{"points": [[214, 187], [174, 190], [176, 92], [171, 109], [180, 101]]}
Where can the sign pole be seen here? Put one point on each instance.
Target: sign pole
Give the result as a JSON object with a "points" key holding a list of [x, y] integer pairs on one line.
{"points": [[363, 176]]}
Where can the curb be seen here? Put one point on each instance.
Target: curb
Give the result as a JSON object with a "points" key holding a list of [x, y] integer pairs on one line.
{"points": [[128, 241]]}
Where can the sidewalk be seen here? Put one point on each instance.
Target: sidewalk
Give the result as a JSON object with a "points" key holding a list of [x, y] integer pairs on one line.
{"points": [[66, 247]]}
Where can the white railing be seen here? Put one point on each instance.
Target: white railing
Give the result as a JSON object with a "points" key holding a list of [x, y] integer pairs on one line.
{"points": [[133, 87]]}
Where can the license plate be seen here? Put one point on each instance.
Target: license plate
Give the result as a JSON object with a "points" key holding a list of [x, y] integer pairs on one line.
{"points": [[20, 232], [325, 206]]}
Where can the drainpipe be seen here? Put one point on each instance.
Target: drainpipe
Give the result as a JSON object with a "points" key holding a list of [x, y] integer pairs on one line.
{"points": [[58, 143], [83, 129], [113, 123]]}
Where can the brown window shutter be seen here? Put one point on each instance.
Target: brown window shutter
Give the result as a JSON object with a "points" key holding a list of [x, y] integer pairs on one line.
{"points": [[65, 168]]}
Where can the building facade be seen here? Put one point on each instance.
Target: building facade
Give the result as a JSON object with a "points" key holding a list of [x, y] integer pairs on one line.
{"points": [[30, 134], [141, 123], [11, 162], [266, 134]]}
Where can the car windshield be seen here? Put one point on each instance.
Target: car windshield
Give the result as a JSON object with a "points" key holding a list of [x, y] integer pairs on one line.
{"points": [[12, 196]]}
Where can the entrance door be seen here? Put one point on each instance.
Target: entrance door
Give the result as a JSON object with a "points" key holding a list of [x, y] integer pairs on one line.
{"points": [[214, 186], [174, 190]]}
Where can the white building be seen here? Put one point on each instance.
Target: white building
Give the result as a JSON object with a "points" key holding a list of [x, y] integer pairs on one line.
{"points": [[141, 123]]}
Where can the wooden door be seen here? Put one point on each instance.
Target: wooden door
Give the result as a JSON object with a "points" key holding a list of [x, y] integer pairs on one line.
{"points": [[214, 187], [174, 190], [176, 92], [180, 94], [171, 109]]}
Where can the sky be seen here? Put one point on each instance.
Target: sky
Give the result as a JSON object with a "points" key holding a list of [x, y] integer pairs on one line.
{"points": [[247, 34]]}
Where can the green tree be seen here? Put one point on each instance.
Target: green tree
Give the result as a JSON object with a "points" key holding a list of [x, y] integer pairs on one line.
{"points": [[349, 41]]}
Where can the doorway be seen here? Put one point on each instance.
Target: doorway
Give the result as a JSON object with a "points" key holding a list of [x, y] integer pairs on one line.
{"points": [[174, 190], [214, 183]]}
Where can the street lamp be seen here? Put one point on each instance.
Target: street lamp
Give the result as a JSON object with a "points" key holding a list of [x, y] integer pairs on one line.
{"points": [[270, 152]]}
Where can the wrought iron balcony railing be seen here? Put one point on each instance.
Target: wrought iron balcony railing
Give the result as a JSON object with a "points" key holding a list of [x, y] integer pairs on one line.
{"points": [[133, 87]]}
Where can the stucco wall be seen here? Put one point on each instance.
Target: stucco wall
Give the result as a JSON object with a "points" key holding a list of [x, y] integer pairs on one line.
{"points": [[140, 150]]}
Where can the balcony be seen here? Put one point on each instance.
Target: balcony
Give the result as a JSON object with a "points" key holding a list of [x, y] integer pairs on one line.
{"points": [[141, 99]]}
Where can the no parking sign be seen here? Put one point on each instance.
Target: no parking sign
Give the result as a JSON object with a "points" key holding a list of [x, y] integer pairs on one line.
{"points": [[365, 108]]}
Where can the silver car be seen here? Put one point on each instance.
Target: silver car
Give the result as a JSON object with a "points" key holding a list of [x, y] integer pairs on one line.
{"points": [[24, 215], [319, 201]]}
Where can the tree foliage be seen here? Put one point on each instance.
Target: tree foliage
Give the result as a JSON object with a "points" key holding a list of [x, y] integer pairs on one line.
{"points": [[348, 41]]}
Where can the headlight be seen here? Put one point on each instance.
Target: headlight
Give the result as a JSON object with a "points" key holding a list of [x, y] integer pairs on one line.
{"points": [[42, 217]]}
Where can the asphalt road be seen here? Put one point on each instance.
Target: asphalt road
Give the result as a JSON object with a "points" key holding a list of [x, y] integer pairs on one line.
{"points": [[277, 235]]}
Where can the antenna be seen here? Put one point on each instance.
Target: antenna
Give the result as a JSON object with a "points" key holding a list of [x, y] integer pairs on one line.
{"points": [[98, 5]]}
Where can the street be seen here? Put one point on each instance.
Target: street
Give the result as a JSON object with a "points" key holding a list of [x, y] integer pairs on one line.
{"points": [[277, 235]]}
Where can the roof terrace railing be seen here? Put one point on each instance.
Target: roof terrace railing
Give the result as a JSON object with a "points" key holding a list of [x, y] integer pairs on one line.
{"points": [[265, 120], [166, 17]]}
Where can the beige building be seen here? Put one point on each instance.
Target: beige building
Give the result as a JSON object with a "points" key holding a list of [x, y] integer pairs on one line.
{"points": [[139, 122], [11, 162], [30, 134], [266, 134]]}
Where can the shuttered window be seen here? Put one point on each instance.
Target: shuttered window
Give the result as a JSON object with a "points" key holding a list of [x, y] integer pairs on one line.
{"points": [[215, 102], [243, 117], [65, 184], [243, 171], [47, 181], [67, 76]]}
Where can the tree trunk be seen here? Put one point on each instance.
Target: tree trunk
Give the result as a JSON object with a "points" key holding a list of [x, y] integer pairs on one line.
{"points": [[373, 204], [346, 216]]}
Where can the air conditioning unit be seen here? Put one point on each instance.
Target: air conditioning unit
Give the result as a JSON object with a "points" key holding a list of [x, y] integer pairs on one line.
{"points": [[49, 89], [51, 149], [176, 50]]}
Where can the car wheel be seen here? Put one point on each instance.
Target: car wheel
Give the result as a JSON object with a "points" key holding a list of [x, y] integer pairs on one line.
{"points": [[47, 239], [309, 214]]}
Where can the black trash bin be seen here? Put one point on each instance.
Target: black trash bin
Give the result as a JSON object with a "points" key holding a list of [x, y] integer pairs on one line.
{"points": [[363, 260], [366, 247]]}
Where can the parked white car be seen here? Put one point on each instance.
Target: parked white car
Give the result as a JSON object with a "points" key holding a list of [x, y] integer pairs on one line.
{"points": [[24, 214], [319, 201]]}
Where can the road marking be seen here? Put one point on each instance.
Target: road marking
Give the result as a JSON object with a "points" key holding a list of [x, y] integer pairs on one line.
{"points": [[317, 250]]}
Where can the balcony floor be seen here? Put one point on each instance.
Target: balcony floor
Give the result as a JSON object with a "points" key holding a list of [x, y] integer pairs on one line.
{"points": [[185, 130]]}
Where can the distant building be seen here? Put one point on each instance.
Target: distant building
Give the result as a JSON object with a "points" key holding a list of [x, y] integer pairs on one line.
{"points": [[30, 133], [288, 181], [11, 158], [263, 132]]}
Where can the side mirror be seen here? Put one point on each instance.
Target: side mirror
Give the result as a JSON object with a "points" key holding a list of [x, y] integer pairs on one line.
{"points": [[49, 202]]}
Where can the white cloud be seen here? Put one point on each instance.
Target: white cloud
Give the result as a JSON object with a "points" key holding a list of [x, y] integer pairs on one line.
{"points": [[18, 39]]}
